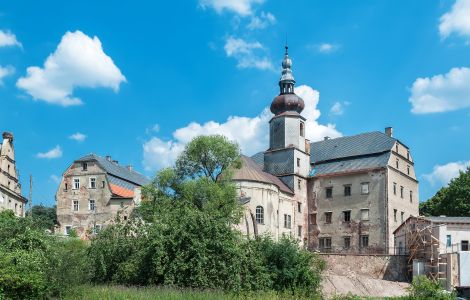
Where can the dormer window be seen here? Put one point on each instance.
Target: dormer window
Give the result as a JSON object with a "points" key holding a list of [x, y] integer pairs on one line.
{"points": [[84, 166], [302, 129]]}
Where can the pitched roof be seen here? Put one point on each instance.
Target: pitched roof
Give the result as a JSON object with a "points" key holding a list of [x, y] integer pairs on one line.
{"points": [[448, 219], [116, 170], [251, 171], [350, 146], [352, 164]]}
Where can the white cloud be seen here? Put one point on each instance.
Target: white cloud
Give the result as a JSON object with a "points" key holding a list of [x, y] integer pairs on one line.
{"points": [[442, 174], [247, 54], [56, 152], [327, 48], [441, 93], [457, 20], [241, 7], [252, 134], [8, 39], [78, 61], [261, 22], [79, 137], [5, 71], [338, 108]]}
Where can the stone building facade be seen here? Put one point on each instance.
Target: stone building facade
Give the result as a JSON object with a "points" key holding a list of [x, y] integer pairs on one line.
{"points": [[343, 195], [93, 191], [10, 187]]}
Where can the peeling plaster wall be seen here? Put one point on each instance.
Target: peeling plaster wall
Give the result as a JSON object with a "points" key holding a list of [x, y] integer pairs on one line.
{"points": [[106, 208], [338, 229]]}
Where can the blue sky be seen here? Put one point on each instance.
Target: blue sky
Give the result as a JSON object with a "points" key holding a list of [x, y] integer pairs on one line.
{"points": [[137, 80]]}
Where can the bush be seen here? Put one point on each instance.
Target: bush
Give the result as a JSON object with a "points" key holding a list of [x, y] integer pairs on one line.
{"points": [[34, 264], [424, 288]]}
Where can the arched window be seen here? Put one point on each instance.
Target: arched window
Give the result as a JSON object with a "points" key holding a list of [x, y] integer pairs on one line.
{"points": [[302, 129], [259, 215]]}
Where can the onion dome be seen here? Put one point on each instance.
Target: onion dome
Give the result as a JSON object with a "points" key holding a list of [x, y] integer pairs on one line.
{"points": [[287, 99]]}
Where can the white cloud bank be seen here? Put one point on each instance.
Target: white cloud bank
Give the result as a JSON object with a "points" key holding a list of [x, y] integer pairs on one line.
{"points": [[338, 108], [442, 174], [457, 20], [240, 7], [247, 54], [78, 61], [8, 39], [55, 152], [327, 48], [79, 137], [441, 93], [252, 134]]}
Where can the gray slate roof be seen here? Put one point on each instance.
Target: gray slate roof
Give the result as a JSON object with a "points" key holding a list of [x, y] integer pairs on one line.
{"points": [[116, 170], [448, 219], [358, 152], [349, 146], [351, 164]]}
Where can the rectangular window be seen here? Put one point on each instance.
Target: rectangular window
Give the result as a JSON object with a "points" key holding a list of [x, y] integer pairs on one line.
{"points": [[313, 219], [411, 196], [287, 221], [92, 183], [395, 215], [96, 228], [302, 129], [329, 192], [299, 184], [299, 231], [325, 243], [103, 184], [364, 241], [328, 217], [408, 170], [75, 205], [347, 242], [299, 207], [91, 205], [464, 246], [66, 186], [365, 188], [401, 191], [402, 217], [347, 190], [408, 155], [398, 163], [365, 214], [449, 240], [76, 183], [68, 228], [298, 162], [84, 166], [394, 188], [347, 216]]}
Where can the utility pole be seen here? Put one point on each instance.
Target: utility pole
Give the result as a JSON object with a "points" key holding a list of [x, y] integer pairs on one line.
{"points": [[31, 195]]}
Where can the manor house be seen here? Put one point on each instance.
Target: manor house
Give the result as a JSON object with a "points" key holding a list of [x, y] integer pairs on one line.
{"points": [[345, 194]]}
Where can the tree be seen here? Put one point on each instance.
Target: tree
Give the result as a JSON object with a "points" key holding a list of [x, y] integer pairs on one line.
{"points": [[452, 200], [45, 217], [208, 156]]}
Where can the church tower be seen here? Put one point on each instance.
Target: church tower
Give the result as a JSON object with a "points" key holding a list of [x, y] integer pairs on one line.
{"points": [[288, 155]]}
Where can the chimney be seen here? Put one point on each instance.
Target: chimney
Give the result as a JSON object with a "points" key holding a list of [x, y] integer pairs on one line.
{"points": [[389, 131], [108, 157], [129, 167], [326, 138]]}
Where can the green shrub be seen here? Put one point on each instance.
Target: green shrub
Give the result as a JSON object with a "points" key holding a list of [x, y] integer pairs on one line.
{"points": [[424, 288]]}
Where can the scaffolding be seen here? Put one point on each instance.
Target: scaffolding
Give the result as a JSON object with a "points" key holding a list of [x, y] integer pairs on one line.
{"points": [[423, 246]]}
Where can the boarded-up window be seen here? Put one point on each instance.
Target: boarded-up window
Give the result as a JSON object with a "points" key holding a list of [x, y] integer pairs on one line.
{"points": [[365, 214]]}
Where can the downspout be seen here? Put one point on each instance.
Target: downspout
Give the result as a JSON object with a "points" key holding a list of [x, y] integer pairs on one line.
{"points": [[386, 212]]}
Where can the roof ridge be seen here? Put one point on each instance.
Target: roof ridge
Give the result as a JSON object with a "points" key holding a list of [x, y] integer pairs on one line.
{"points": [[352, 136]]}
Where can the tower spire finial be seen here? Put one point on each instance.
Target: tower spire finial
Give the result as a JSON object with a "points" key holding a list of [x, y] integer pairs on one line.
{"points": [[286, 46]]}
